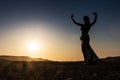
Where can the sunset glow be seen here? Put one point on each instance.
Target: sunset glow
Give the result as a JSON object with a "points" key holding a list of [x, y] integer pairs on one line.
{"points": [[44, 29], [33, 46]]}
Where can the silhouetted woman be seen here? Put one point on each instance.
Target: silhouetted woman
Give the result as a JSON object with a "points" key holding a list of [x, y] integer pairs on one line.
{"points": [[89, 55]]}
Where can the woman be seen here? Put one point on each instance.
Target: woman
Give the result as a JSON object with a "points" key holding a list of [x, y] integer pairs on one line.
{"points": [[88, 53]]}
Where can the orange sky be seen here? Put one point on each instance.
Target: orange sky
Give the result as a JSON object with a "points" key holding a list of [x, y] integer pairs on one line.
{"points": [[48, 23], [55, 44]]}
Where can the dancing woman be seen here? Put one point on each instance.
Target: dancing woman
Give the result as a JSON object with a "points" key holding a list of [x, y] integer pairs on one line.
{"points": [[89, 55]]}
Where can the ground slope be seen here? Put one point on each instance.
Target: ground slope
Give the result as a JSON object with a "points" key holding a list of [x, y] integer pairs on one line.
{"points": [[107, 69]]}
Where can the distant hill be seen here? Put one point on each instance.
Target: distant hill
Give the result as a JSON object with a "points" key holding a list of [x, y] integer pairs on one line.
{"points": [[20, 58]]}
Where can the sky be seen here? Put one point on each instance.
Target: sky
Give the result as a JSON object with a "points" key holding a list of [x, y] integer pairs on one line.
{"points": [[47, 24]]}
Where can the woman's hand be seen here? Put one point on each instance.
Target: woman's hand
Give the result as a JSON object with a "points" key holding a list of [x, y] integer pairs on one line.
{"points": [[72, 16], [95, 13]]}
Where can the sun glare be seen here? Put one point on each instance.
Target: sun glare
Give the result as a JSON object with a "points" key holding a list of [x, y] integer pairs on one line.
{"points": [[33, 46]]}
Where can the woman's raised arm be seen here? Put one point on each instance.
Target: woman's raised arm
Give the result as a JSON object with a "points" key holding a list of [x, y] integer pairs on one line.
{"points": [[94, 19], [79, 24]]}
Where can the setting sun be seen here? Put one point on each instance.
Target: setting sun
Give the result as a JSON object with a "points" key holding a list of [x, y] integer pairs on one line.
{"points": [[33, 46]]}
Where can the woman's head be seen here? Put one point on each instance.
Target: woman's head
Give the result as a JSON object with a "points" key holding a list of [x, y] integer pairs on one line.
{"points": [[86, 19]]}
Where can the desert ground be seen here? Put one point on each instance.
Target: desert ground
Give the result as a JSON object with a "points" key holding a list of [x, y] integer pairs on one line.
{"points": [[106, 69]]}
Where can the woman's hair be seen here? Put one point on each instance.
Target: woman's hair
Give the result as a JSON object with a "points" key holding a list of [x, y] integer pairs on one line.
{"points": [[86, 19]]}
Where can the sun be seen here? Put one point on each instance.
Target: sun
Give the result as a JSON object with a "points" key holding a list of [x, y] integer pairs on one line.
{"points": [[33, 46]]}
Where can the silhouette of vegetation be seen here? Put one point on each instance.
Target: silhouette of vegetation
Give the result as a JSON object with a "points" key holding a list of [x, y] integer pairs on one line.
{"points": [[89, 55]]}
